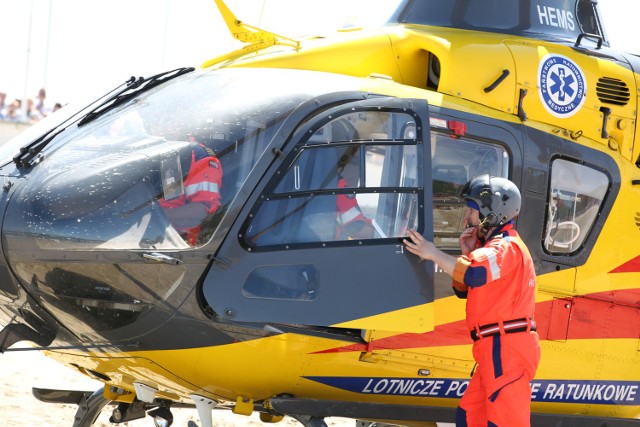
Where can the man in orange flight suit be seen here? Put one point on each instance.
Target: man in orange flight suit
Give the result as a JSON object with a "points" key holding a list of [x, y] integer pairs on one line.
{"points": [[201, 196], [496, 275]]}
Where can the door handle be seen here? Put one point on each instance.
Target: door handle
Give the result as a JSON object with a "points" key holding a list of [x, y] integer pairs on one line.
{"points": [[158, 257]]}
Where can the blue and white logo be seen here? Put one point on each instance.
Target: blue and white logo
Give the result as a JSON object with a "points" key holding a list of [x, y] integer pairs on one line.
{"points": [[562, 85]]}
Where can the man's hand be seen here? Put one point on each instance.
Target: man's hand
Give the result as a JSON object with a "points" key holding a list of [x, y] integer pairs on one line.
{"points": [[427, 250], [420, 246], [468, 240]]}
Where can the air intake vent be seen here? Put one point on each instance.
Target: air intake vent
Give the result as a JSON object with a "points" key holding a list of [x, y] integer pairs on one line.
{"points": [[612, 91]]}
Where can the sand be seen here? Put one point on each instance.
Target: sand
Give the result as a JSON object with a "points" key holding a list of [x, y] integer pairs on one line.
{"points": [[20, 371]]}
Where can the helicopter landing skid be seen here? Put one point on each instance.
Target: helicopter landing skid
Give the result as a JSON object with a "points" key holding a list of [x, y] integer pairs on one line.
{"points": [[89, 408], [310, 421], [90, 404]]}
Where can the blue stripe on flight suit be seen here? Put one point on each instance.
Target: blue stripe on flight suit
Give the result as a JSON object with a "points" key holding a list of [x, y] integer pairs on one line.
{"points": [[497, 364], [497, 359], [475, 276], [461, 417]]}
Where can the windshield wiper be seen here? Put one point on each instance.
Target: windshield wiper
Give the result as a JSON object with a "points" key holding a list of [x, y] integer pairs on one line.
{"points": [[121, 94], [135, 88], [29, 151]]}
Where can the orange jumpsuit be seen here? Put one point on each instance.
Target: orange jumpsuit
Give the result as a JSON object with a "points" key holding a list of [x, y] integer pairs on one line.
{"points": [[202, 185], [500, 300], [350, 216]]}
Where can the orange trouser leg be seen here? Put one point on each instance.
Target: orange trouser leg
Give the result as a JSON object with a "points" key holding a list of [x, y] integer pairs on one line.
{"points": [[472, 410], [499, 393], [512, 406]]}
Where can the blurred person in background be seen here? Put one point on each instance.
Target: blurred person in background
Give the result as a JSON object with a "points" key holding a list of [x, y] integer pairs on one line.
{"points": [[33, 113], [40, 103], [13, 112], [3, 107]]}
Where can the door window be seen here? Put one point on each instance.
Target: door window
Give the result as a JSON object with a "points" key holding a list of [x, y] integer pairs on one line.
{"points": [[455, 161], [356, 177], [575, 197]]}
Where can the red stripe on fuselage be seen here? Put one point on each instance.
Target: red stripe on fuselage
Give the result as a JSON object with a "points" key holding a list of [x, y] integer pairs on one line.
{"points": [[455, 333], [631, 266], [604, 315]]}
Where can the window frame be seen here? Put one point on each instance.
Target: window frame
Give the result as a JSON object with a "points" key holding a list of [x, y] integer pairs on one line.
{"points": [[586, 236], [270, 191]]}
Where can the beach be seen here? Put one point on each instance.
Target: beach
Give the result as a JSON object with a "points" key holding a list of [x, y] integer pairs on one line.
{"points": [[22, 370]]}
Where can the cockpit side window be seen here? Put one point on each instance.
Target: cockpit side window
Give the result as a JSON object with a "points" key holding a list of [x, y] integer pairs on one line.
{"points": [[589, 18], [455, 161], [576, 195], [354, 178]]}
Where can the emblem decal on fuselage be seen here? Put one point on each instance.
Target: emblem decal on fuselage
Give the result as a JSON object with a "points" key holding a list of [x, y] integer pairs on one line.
{"points": [[561, 85]]}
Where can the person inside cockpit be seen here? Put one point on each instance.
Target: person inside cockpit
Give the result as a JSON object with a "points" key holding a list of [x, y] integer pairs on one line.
{"points": [[188, 203], [351, 221]]}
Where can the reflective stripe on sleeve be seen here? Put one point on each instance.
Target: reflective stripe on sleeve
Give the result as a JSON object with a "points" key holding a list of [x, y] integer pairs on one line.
{"points": [[350, 215], [192, 189], [490, 258]]}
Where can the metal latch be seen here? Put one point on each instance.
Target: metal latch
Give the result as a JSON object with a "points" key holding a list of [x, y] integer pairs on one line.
{"points": [[158, 257]]}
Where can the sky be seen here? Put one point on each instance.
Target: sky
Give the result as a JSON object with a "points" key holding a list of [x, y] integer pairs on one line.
{"points": [[79, 49]]}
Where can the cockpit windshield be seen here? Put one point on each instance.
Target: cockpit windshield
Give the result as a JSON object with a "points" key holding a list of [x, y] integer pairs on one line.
{"points": [[552, 19], [160, 171]]}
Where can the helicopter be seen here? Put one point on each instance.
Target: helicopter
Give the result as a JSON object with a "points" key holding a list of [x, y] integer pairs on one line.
{"points": [[282, 303]]}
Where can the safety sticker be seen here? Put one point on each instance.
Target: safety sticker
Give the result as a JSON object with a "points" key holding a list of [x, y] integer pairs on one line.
{"points": [[562, 85]]}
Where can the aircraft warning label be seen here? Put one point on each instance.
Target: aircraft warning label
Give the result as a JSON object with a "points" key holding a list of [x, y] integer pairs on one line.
{"points": [[561, 85]]}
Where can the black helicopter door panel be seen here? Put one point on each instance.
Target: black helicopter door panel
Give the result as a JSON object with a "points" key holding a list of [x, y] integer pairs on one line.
{"points": [[320, 241]]}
